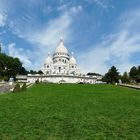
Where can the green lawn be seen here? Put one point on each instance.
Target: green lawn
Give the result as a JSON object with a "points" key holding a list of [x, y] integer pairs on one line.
{"points": [[75, 112]]}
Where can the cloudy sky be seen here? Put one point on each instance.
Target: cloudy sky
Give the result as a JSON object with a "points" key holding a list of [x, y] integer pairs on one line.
{"points": [[101, 33]]}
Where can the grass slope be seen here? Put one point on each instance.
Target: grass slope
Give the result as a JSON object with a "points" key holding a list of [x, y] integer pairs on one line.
{"points": [[76, 112]]}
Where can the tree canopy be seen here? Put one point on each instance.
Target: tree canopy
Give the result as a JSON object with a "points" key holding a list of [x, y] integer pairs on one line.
{"points": [[135, 74], [125, 78], [93, 74], [112, 76], [10, 67]]}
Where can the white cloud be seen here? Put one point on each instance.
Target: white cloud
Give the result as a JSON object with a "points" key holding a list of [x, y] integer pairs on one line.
{"points": [[3, 18], [116, 49], [76, 9], [19, 53], [100, 3], [62, 7], [48, 37], [103, 4], [48, 9]]}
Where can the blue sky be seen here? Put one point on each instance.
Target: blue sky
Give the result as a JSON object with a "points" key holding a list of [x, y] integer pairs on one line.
{"points": [[101, 33]]}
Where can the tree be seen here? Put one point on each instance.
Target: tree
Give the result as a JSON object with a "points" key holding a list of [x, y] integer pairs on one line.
{"points": [[112, 76], [138, 69], [133, 73], [40, 72], [125, 77], [93, 74], [23, 71], [24, 87], [17, 88], [33, 72], [9, 66], [138, 76]]}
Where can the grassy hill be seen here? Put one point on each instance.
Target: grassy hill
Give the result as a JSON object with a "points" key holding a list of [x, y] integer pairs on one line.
{"points": [[75, 112]]}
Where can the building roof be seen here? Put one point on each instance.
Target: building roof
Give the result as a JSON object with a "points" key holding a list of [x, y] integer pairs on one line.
{"points": [[61, 48], [72, 60]]}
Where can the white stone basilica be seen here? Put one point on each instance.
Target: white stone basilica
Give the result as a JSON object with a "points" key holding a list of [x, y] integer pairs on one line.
{"points": [[60, 68], [61, 62]]}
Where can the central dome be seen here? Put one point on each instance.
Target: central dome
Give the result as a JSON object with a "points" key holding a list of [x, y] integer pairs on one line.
{"points": [[61, 48]]}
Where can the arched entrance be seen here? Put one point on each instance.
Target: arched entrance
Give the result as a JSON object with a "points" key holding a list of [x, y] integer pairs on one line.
{"points": [[59, 69]]}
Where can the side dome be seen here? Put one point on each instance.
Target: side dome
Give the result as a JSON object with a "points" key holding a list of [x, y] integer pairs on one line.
{"points": [[48, 60], [61, 48], [72, 60]]}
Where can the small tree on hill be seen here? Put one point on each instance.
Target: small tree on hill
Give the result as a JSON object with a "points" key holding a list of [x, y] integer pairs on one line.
{"points": [[24, 87], [112, 76], [37, 81], [17, 88]]}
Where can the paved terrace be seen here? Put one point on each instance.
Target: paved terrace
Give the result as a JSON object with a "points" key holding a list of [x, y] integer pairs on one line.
{"points": [[131, 86]]}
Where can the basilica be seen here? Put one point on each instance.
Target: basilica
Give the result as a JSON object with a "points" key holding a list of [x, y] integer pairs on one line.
{"points": [[61, 67], [61, 62]]}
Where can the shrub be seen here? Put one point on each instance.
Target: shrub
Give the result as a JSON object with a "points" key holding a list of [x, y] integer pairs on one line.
{"points": [[24, 87], [17, 88], [5, 78], [37, 81]]}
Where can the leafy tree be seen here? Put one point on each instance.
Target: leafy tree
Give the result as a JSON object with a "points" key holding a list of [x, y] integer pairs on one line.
{"points": [[138, 69], [32, 72], [112, 76], [9, 66], [93, 74], [40, 72], [125, 77], [37, 81], [23, 71], [24, 87], [17, 88], [138, 76], [133, 72]]}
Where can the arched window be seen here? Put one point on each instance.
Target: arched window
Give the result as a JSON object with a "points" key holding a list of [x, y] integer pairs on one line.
{"points": [[59, 69]]}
